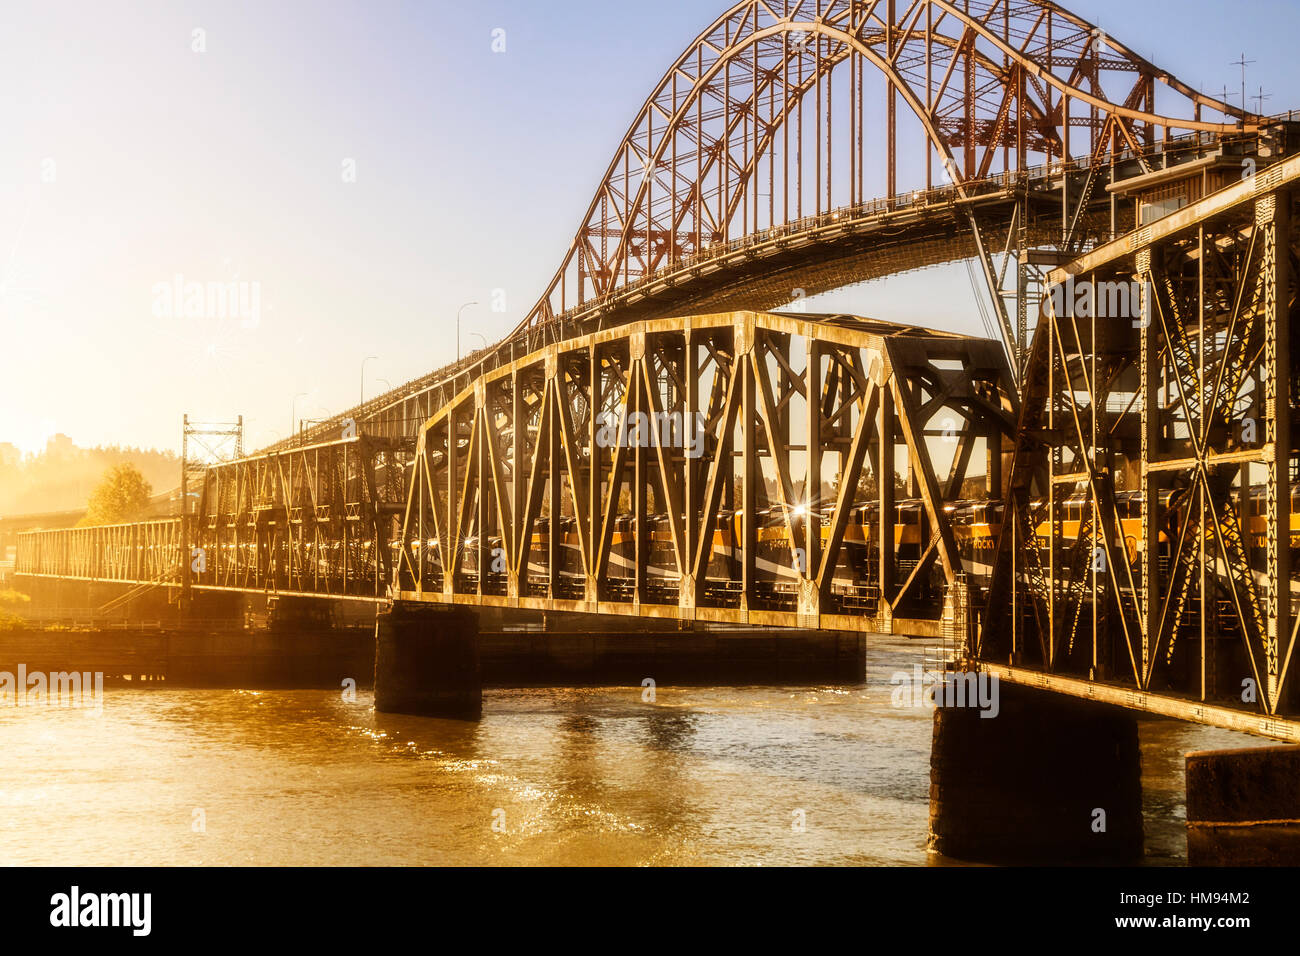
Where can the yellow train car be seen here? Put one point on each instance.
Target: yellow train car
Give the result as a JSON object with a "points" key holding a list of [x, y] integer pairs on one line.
{"points": [[976, 526]]}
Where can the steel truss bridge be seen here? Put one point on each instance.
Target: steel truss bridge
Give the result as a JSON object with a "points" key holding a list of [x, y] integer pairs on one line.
{"points": [[798, 146], [1155, 470], [555, 484], [314, 520]]}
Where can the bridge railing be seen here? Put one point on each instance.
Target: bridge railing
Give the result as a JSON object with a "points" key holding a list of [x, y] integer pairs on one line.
{"points": [[139, 552], [89, 618]]}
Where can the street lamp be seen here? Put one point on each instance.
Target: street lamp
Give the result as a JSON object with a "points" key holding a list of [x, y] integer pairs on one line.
{"points": [[481, 336], [458, 312], [293, 414], [363, 376]]}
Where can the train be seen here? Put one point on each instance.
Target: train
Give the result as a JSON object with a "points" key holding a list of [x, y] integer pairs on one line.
{"points": [[976, 526], [777, 565]]}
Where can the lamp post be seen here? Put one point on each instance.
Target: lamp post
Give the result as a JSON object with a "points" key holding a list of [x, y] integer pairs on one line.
{"points": [[293, 414], [481, 336], [458, 312], [363, 376]]}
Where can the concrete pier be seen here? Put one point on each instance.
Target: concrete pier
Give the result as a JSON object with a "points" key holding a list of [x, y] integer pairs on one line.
{"points": [[1243, 807], [1048, 780], [299, 614], [702, 657], [197, 657], [427, 662]]}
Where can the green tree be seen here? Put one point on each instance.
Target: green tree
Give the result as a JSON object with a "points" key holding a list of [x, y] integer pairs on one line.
{"points": [[122, 495]]}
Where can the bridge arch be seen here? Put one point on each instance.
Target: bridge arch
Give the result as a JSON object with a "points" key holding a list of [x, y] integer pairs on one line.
{"points": [[979, 77]]}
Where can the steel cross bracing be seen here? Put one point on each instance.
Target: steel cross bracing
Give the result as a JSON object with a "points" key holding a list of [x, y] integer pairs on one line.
{"points": [[738, 467], [1155, 469], [319, 521]]}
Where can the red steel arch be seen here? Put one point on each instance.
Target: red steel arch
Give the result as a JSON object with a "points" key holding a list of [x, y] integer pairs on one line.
{"points": [[996, 86]]}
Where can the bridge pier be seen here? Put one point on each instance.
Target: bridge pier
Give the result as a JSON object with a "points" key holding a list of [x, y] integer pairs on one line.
{"points": [[1048, 779], [1243, 807], [427, 661], [217, 605], [298, 613]]}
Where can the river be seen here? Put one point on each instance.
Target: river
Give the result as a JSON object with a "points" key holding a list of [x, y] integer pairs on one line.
{"points": [[825, 775]]}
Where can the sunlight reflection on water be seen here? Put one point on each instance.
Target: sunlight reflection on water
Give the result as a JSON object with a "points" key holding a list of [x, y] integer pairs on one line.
{"points": [[705, 775]]}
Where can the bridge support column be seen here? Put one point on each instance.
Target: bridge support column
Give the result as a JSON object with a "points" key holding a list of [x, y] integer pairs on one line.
{"points": [[216, 605], [1243, 807], [298, 613], [1049, 779], [427, 662]]}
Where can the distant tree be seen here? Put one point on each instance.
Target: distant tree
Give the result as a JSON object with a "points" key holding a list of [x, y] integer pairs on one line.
{"points": [[868, 489], [974, 489], [9, 600], [122, 495], [62, 478]]}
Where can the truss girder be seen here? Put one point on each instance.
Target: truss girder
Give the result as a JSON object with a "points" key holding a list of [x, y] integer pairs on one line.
{"points": [[677, 468], [316, 520], [147, 552], [319, 520], [1164, 434]]}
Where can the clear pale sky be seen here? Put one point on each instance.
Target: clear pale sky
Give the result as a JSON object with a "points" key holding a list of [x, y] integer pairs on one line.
{"points": [[129, 158]]}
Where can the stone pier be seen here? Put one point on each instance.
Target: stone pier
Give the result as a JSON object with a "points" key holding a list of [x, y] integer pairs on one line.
{"points": [[1243, 807], [1050, 779], [427, 662]]}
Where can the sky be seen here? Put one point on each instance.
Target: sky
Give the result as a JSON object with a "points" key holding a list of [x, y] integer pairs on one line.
{"points": [[358, 171]]}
